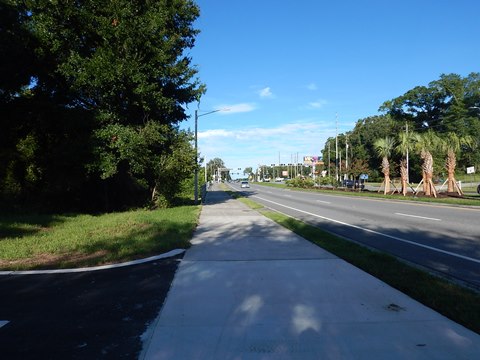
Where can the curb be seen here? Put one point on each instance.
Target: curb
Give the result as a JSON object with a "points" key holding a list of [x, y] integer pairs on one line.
{"points": [[95, 268]]}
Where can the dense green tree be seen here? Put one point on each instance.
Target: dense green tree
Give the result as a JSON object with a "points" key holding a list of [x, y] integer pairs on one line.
{"points": [[212, 167], [445, 105], [172, 168], [248, 171], [16, 46], [96, 98], [361, 142]]}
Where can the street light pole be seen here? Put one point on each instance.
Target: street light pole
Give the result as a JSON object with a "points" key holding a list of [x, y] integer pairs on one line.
{"points": [[336, 147], [195, 180], [196, 149]]}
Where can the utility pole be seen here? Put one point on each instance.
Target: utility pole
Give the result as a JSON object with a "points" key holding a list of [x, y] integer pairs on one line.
{"points": [[408, 145], [336, 147], [329, 158], [196, 159], [346, 155]]}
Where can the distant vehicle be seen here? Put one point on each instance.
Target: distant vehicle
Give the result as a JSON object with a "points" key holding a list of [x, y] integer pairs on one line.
{"points": [[244, 184], [354, 184], [278, 179]]}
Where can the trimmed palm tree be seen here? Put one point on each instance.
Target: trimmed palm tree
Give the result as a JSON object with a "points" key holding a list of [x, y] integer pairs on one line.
{"points": [[452, 145], [405, 144], [384, 148], [425, 143]]}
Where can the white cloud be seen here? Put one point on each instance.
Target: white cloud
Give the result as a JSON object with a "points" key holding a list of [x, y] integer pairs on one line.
{"points": [[251, 146], [236, 108], [266, 93], [312, 86], [214, 133], [318, 103]]}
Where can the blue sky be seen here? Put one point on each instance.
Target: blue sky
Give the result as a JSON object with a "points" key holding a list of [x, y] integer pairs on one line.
{"points": [[286, 68]]}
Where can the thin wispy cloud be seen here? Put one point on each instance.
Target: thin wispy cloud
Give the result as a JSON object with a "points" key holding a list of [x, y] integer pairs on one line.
{"points": [[312, 86], [214, 133], [236, 108], [266, 93], [318, 104]]}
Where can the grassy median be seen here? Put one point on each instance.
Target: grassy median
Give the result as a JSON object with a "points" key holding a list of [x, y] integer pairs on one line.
{"points": [[60, 241], [469, 199]]}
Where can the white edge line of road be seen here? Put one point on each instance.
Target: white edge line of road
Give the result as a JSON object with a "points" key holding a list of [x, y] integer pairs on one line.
{"points": [[171, 253], [374, 232]]}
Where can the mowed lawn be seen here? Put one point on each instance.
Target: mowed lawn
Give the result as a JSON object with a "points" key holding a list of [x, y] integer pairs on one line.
{"points": [[61, 241]]}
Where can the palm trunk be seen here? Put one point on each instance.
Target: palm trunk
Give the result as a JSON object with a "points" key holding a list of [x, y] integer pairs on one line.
{"points": [[427, 168], [450, 165], [403, 175], [386, 174]]}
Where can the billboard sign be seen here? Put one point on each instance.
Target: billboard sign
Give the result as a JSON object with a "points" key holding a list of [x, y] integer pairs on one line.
{"points": [[311, 160]]}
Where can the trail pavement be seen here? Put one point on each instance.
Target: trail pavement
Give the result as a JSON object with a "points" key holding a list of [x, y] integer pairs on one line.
{"points": [[250, 289]]}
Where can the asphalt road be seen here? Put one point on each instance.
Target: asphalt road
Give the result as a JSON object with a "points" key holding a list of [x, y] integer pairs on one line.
{"points": [[442, 238], [87, 315]]}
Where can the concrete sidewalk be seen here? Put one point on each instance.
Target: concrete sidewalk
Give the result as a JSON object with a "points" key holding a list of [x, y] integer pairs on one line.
{"points": [[250, 289]]}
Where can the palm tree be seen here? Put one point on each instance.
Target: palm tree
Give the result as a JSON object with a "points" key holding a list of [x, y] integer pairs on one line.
{"points": [[425, 143], [384, 148], [406, 143], [452, 144]]}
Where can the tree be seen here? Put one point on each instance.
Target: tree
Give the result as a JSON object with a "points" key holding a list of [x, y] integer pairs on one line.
{"points": [[405, 145], [359, 167], [248, 171], [425, 144], [384, 147], [362, 138], [112, 77], [445, 105], [213, 166], [16, 46], [452, 144], [173, 167]]}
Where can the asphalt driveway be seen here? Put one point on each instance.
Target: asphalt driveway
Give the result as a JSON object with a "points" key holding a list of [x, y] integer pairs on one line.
{"points": [[86, 315]]}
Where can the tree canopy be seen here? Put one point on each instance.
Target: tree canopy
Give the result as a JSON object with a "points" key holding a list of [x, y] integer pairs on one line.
{"points": [[91, 94], [448, 105]]}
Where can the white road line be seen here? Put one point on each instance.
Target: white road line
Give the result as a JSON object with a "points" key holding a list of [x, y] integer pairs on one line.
{"points": [[375, 232], [419, 217], [3, 323], [323, 202]]}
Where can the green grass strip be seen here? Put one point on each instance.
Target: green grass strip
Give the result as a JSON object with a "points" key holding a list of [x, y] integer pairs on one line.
{"points": [[60, 241]]}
